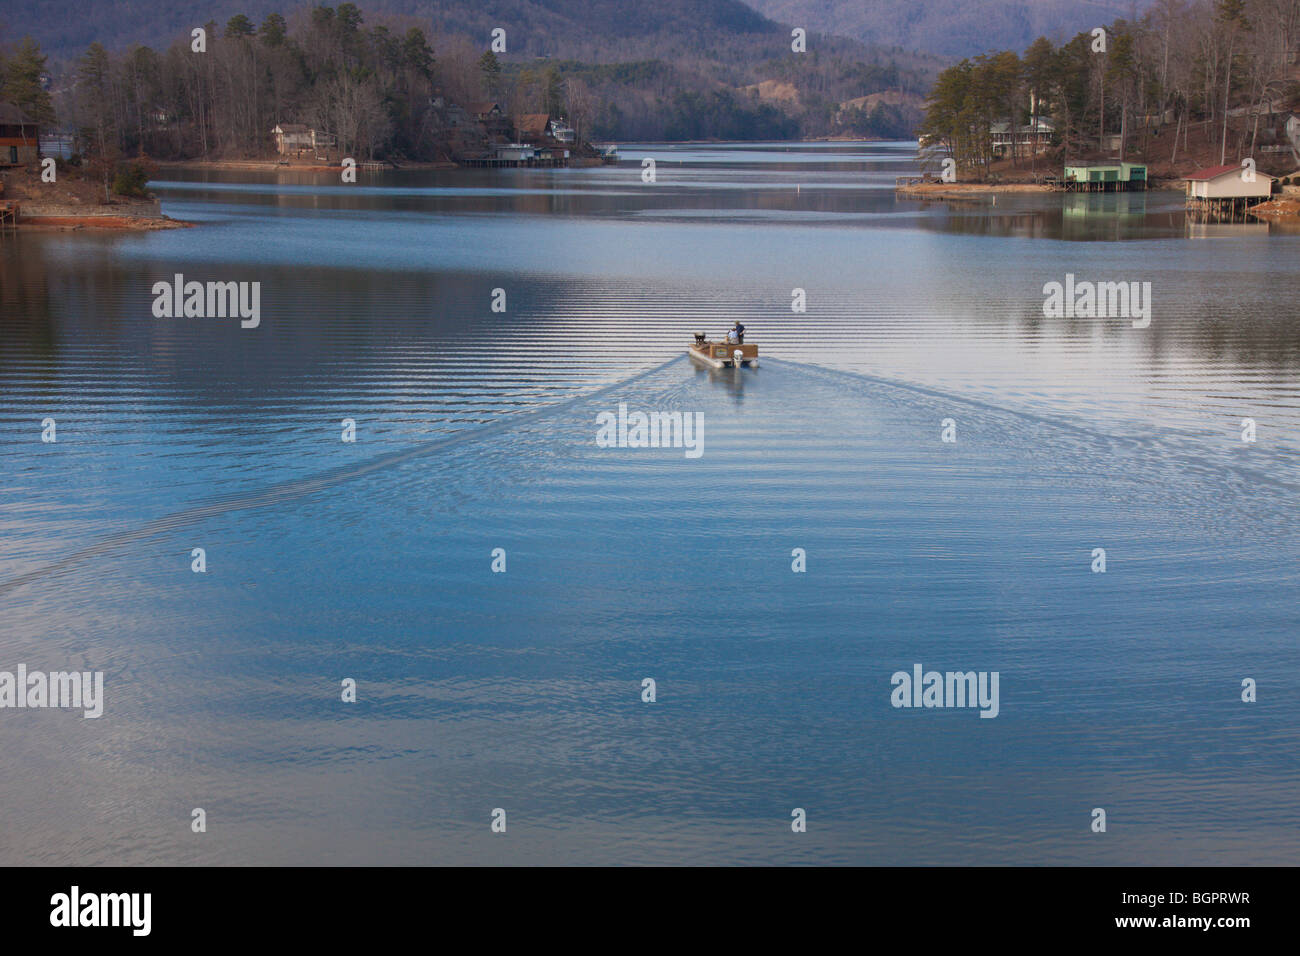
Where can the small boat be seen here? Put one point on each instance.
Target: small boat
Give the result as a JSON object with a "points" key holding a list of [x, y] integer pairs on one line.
{"points": [[722, 354]]}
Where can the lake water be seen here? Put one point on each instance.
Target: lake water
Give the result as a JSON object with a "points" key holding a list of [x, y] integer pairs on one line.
{"points": [[477, 429]]}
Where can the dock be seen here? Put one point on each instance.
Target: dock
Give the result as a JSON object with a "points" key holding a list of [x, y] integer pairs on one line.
{"points": [[902, 182], [1105, 177], [1226, 193], [9, 212], [532, 162], [1221, 209]]}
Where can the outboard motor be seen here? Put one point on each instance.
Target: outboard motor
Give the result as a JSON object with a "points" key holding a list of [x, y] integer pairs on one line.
{"points": [[736, 357]]}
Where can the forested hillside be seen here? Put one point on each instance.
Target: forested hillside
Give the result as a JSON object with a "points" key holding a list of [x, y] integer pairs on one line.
{"points": [[954, 29], [674, 69], [1191, 83], [580, 29]]}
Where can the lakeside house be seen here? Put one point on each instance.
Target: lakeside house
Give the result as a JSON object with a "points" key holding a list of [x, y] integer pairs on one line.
{"points": [[532, 128], [492, 118], [506, 155], [541, 129], [562, 132], [482, 135], [1228, 182], [293, 138], [1105, 177], [553, 156], [19, 137], [515, 153], [534, 145], [1225, 192], [486, 112], [1035, 137]]}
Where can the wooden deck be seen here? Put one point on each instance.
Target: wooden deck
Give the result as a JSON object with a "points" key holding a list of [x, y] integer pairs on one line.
{"points": [[1226, 209], [491, 162], [1111, 186]]}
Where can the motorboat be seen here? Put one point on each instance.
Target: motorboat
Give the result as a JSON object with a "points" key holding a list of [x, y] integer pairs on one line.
{"points": [[724, 354]]}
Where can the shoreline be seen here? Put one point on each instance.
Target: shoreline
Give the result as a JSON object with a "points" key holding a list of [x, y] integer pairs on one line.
{"points": [[126, 223], [271, 165], [1281, 209], [974, 191], [966, 191], [127, 216]]}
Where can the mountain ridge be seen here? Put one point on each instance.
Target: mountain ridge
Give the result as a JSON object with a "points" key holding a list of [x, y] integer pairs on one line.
{"points": [[558, 28], [977, 26]]}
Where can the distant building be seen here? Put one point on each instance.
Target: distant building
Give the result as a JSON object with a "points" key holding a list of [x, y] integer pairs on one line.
{"points": [[1228, 182], [515, 153], [19, 137], [532, 128], [294, 139], [1034, 137], [492, 119], [1104, 177], [540, 130], [552, 156], [561, 132], [1226, 192]]}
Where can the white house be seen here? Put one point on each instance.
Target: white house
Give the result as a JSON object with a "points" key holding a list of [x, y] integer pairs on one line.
{"points": [[292, 137], [562, 132], [1228, 182], [1033, 137], [515, 152]]}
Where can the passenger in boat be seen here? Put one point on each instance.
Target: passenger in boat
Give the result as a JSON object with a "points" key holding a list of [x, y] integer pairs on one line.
{"points": [[733, 336], [738, 331]]}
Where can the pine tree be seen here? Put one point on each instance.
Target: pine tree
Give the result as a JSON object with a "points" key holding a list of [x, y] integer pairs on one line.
{"points": [[22, 82], [94, 78], [553, 93], [490, 67], [273, 30]]}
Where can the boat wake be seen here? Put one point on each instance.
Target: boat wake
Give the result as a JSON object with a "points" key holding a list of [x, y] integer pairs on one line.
{"points": [[301, 487]]}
